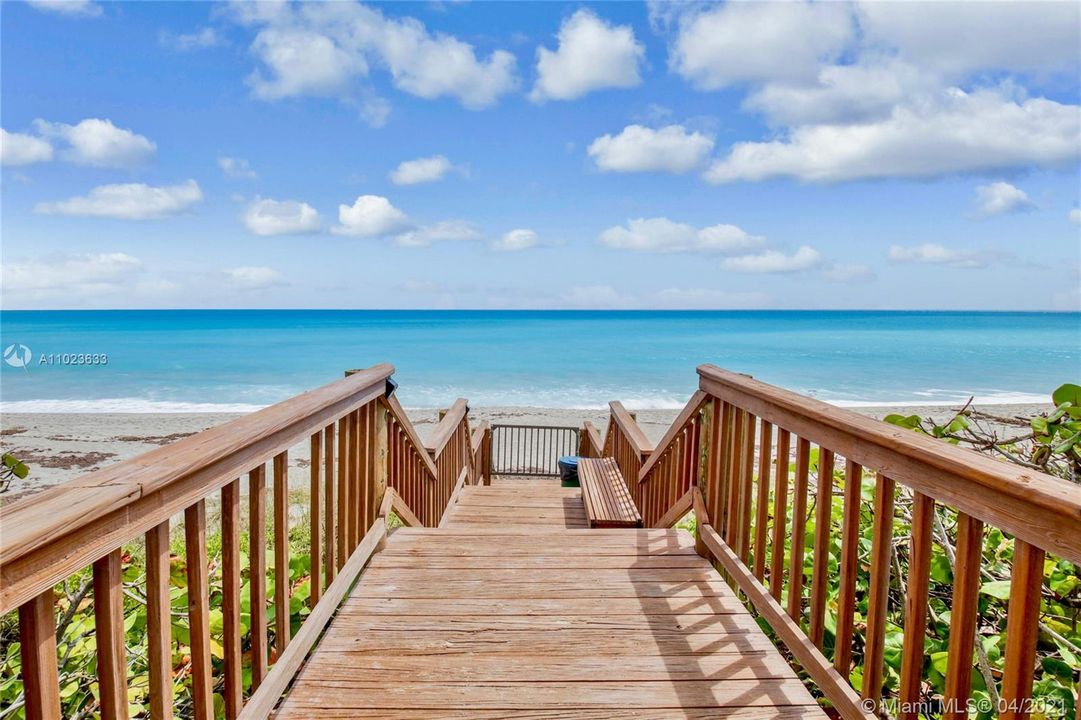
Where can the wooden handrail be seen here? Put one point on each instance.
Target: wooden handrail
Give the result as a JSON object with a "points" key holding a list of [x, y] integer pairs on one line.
{"points": [[1038, 508], [462, 477], [676, 511], [411, 432], [444, 431], [263, 700], [480, 448], [693, 406], [58, 531], [590, 444], [392, 501], [828, 680], [630, 428]]}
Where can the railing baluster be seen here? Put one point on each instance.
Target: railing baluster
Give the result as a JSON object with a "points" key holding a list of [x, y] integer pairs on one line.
{"points": [[821, 550], [257, 573], [964, 611], [780, 517], [230, 597], [343, 490], [159, 630], [1022, 632], [846, 594], [281, 552], [746, 487], [315, 549], [765, 464], [915, 618], [330, 503], [709, 482], [799, 529], [37, 654], [733, 478], [109, 631], [878, 598], [198, 610]]}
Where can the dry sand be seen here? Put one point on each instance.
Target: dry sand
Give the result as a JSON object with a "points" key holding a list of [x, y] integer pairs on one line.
{"points": [[59, 447]]}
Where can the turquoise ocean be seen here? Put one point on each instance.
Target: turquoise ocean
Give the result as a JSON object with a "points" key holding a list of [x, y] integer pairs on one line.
{"points": [[237, 360]]}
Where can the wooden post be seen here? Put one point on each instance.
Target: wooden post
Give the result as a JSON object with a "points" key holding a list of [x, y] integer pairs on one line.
{"points": [[380, 446], [37, 636]]}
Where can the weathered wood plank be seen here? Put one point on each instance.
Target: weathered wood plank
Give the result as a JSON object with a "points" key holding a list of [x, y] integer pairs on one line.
{"points": [[510, 643], [526, 695], [340, 667], [540, 562], [788, 712], [484, 607]]}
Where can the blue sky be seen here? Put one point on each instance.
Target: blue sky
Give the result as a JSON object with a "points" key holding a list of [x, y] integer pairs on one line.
{"points": [[880, 155]]}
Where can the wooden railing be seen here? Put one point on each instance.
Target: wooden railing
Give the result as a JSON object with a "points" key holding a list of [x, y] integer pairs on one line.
{"points": [[666, 479], [760, 473], [481, 445], [360, 442], [626, 442], [590, 444]]}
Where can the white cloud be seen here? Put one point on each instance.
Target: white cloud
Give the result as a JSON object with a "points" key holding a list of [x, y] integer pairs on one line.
{"points": [[71, 8], [520, 239], [842, 93], [22, 149], [919, 90], [370, 216], [254, 277], [453, 230], [965, 132], [281, 217], [129, 201], [662, 235], [323, 49], [739, 41], [641, 149], [236, 168], [89, 273], [848, 272], [1075, 216], [961, 37], [934, 254], [421, 170], [302, 62], [206, 37], [592, 54], [99, 143], [774, 261], [1000, 197]]}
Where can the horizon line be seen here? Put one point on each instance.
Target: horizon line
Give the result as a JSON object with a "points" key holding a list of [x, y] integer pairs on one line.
{"points": [[527, 310]]}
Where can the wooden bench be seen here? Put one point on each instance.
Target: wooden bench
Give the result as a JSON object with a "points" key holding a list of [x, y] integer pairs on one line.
{"points": [[605, 495]]}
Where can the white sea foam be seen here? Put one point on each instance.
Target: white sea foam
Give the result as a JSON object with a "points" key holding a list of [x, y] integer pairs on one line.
{"points": [[937, 400], [561, 399], [123, 405]]}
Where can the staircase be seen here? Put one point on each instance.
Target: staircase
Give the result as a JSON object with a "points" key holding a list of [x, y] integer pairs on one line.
{"points": [[514, 608]]}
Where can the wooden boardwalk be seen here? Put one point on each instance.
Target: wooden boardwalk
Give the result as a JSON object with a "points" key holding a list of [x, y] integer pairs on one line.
{"points": [[514, 608]]}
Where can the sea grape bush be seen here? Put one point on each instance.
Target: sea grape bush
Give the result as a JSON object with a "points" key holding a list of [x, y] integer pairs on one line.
{"points": [[75, 630]]}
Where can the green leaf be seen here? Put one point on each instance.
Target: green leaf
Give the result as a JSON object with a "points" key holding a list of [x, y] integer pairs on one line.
{"points": [[938, 661], [1068, 393], [997, 589], [911, 422]]}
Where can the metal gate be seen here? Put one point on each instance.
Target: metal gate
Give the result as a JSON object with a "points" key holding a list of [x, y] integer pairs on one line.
{"points": [[531, 449]]}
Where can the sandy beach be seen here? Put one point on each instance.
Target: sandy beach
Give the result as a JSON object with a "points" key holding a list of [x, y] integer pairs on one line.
{"points": [[60, 447]]}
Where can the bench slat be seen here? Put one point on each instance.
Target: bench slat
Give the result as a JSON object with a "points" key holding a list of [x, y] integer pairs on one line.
{"points": [[605, 495]]}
